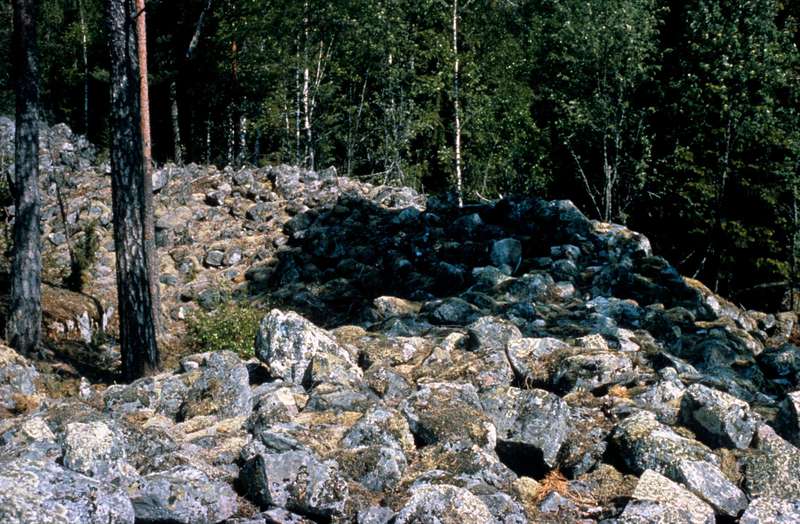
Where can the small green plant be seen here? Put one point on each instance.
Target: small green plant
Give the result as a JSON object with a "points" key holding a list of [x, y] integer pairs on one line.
{"points": [[231, 327]]}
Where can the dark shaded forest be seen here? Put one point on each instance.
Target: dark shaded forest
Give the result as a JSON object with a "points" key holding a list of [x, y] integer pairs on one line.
{"points": [[678, 119]]}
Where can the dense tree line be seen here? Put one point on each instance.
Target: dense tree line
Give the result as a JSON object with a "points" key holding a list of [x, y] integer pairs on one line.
{"points": [[679, 119]]}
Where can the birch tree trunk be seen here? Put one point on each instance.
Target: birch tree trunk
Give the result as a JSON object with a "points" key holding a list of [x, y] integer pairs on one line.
{"points": [[135, 302], [457, 107], [176, 123], [147, 148], [24, 324]]}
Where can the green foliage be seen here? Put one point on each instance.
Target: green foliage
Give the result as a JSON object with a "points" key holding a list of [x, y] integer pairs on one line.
{"points": [[232, 327]]}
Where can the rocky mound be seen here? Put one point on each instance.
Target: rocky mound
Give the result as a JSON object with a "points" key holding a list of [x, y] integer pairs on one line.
{"points": [[507, 362]]}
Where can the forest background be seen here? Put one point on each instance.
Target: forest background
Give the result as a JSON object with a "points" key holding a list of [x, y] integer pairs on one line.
{"points": [[680, 119]]}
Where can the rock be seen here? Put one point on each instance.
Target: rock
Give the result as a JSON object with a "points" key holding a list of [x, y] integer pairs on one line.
{"points": [[388, 307], [381, 427], [443, 504], [592, 371], [643, 443], [223, 388], [453, 311], [297, 481], [37, 490], [377, 468], [531, 425], [528, 355], [491, 333], [215, 258], [375, 515], [446, 412], [707, 482], [182, 495], [95, 450], [771, 471], [771, 510], [788, 420], [658, 499], [18, 380], [718, 418], [287, 343], [507, 253]]}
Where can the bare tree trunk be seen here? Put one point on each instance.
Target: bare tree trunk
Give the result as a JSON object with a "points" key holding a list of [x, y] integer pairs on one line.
{"points": [[85, 56], [176, 123], [147, 148], [24, 324], [135, 302], [457, 107], [297, 106], [198, 31]]}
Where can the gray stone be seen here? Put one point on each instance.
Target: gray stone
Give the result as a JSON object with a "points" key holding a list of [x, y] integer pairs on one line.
{"points": [[297, 481], [17, 379], [95, 450], [215, 258], [382, 427], [448, 412], [707, 482], [718, 418], [491, 333], [771, 510], [657, 499], [444, 504], [38, 491], [223, 388], [532, 425], [182, 495], [507, 253], [375, 515], [771, 471], [788, 420], [644, 443], [593, 371], [287, 343]]}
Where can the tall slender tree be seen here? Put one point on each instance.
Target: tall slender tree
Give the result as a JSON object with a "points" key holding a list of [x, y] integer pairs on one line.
{"points": [[24, 325], [135, 302], [147, 148]]}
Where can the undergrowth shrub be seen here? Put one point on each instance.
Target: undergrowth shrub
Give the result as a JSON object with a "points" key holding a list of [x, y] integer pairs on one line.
{"points": [[231, 327]]}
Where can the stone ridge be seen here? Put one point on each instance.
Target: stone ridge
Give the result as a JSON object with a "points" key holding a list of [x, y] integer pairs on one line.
{"points": [[504, 362]]}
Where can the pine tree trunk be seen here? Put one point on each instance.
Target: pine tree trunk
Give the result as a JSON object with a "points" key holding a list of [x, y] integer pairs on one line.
{"points": [[24, 324], [135, 303], [147, 147], [85, 56]]}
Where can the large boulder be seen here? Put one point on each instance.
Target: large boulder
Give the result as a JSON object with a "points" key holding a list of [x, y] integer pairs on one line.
{"points": [[659, 500], [720, 419], [444, 504], [771, 471], [36, 490], [183, 495], [531, 425], [287, 343], [297, 481], [771, 510]]}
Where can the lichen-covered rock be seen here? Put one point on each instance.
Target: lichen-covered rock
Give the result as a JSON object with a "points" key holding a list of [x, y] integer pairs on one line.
{"points": [[593, 371], [443, 504], [297, 481], [659, 500], [718, 418], [788, 420], [183, 495], [222, 389], [707, 482], [771, 510], [17, 381], [448, 412], [382, 427], [531, 425], [643, 443], [95, 450], [506, 254], [287, 343], [491, 333], [771, 471], [527, 354], [37, 490]]}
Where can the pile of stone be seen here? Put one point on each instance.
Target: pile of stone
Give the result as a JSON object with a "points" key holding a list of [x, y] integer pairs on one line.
{"points": [[508, 362]]}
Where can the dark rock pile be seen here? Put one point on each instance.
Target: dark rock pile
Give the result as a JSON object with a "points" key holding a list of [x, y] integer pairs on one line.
{"points": [[507, 362]]}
